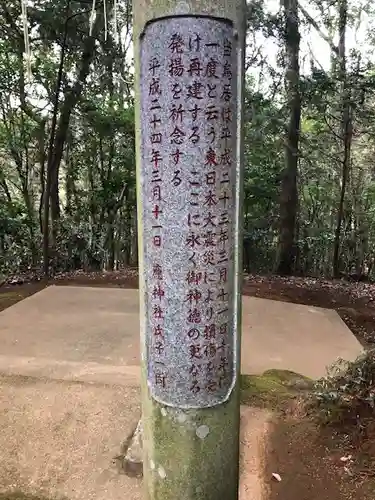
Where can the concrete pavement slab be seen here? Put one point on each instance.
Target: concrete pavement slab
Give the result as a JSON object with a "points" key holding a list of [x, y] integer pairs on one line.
{"points": [[285, 336], [74, 324], [69, 389], [97, 325], [58, 439]]}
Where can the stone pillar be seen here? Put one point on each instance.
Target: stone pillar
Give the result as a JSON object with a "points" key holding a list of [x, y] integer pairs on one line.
{"points": [[189, 58]]}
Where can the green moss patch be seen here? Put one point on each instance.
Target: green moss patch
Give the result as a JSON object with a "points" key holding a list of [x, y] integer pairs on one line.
{"points": [[10, 295], [273, 388]]}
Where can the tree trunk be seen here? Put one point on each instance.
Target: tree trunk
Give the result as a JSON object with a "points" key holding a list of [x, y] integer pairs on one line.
{"points": [[346, 132], [110, 243], [42, 162], [4, 185], [61, 126], [49, 176], [70, 181], [30, 224], [289, 193]]}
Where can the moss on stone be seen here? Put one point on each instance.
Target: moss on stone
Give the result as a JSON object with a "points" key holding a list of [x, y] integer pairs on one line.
{"points": [[273, 388], [188, 450], [285, 376], [10, 295], [20, 496]]}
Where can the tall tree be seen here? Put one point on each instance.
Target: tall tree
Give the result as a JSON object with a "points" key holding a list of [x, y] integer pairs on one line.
{"points": [[345, 131], [61, 119], [289, 192]]}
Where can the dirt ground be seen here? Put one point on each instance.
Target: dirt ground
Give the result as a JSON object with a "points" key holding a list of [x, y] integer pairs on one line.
{"points": [[312, 462]]}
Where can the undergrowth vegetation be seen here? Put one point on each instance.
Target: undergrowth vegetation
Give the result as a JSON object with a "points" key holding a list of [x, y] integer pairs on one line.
{"points": [[347, 395]]}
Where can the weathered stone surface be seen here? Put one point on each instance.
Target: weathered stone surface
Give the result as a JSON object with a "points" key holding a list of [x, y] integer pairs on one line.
{"points": [[190, 205], [191, 443], [131, 462]]}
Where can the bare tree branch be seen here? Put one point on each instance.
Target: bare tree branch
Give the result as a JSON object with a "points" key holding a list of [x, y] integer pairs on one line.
{"points": [[313, 23]]}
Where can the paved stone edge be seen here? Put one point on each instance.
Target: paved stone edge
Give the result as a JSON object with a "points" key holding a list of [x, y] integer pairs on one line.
{"points": [[89, 372]]}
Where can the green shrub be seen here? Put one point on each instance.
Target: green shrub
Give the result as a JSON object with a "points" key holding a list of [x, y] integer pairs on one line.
{"points": [[347, 395]]}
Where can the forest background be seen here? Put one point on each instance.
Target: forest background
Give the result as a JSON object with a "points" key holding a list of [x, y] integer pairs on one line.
{"points": [[67, 153]]}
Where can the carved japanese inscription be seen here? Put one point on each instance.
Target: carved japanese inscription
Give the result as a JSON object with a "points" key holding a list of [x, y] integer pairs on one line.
{"points": [[189, 207]]}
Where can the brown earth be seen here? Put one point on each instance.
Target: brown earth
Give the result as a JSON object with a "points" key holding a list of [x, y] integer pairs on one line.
{"points": [[309, 461], [307, 457]]}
